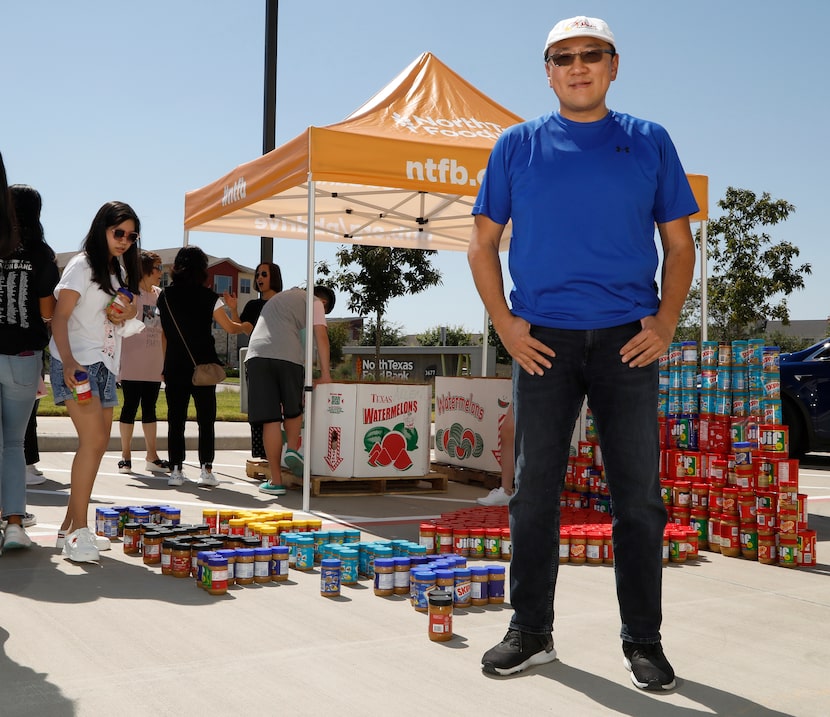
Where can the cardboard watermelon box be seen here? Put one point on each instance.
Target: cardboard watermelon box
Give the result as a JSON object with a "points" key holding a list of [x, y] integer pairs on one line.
{"points": [[468, 415], [333, 429]]}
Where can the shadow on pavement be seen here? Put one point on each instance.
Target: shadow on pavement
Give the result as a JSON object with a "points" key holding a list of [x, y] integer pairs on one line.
{"points": [[25, 691], [626, 699], [43, 574]]}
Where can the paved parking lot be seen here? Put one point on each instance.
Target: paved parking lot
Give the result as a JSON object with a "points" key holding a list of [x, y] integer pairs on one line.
{"points": [[120, 638]]}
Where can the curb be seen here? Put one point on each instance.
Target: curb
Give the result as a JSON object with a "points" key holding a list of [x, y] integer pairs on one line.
{"points": [[68, 444]]}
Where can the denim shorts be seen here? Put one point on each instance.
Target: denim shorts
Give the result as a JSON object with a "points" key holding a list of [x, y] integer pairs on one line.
{"points": [[101, 380]]}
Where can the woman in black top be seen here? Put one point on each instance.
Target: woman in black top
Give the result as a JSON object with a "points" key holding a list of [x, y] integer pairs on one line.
{"points": [[28, 275], [268, 284], [187, 309]]}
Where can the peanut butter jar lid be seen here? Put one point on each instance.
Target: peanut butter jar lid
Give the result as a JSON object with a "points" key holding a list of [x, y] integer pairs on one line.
{"points": [[440, 598]]}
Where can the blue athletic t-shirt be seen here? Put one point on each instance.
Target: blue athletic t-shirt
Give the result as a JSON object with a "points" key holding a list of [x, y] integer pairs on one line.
{"points": [[584, 198]]}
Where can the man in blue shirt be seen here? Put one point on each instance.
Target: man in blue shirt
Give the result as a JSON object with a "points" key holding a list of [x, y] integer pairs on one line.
{"points": [[584, 188]]}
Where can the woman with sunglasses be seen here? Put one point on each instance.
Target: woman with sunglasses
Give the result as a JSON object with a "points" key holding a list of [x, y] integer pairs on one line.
{"points": [[268, 284], [86, 339], [142, 359], [27, 276]]}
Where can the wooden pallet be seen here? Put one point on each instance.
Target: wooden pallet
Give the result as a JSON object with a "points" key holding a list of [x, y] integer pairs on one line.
{"points": [[433, 482], [469, 475], [258, 469]]}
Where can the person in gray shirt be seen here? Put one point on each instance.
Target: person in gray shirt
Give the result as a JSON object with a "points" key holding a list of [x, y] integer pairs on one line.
{"points": [[275, 371]]}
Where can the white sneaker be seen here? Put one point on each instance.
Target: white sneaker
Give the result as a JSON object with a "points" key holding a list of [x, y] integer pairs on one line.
{"points": [[80, 547], [176, 477], [34, 476], [497, 496], [207, 479], [15, 537], [32, 468], [101, 542]]}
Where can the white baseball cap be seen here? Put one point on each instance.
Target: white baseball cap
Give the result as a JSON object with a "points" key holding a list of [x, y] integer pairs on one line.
{"points": [[580, 26]]}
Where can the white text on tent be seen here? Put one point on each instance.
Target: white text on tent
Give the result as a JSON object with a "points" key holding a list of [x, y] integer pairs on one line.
{"points": [[445, 171]]}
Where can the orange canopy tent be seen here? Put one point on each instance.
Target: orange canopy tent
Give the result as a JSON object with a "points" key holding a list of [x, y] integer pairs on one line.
{"points": [[402, 170]]}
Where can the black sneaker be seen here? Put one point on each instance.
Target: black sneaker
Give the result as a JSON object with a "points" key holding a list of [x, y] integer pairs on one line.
{"points": [[649, 668], [518, 651], [125, 466]]}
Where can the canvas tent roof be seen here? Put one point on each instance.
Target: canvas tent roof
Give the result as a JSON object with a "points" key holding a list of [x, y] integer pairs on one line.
{"points": [[402, 170]]}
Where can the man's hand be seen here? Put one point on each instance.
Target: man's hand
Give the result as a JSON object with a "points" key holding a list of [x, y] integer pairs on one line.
{"points": [[531, 354], [649, 344]]}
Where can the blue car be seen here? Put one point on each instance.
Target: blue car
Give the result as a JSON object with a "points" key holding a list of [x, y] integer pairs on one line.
{"points": [[805, 398]]}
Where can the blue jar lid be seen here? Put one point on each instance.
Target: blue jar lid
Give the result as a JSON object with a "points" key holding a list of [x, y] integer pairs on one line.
{"points": [[244, 552], [444, 575], [262, 551], [424, 575], [279, 550], [330, 563], [401, 561], [479, 570], [384, 562]]}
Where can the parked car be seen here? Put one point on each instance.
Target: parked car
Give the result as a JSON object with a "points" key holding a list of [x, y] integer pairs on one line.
{"points": [[805, 398]]}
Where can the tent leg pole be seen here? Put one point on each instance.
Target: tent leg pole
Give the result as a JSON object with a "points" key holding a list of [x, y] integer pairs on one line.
{"points": [[485, 344], [309, 349], [704, 294]]}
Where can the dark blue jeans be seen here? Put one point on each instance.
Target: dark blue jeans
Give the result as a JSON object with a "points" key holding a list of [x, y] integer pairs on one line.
{"points": [[623, 402]]}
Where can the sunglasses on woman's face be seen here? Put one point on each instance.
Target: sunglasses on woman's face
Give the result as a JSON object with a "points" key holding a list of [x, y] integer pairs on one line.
{"points": [[263, 274], [131, 237]]}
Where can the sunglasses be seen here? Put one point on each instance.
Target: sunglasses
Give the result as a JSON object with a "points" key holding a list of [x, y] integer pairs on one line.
{"points": [[262, 273], [131, 237], [589, 57], [158, 267]]}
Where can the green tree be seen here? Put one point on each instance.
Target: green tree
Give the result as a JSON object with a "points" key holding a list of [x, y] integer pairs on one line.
{"points": [[786, 343], [338, 336], [390, 334], [750, 274], [454, 336], [374, 275]]}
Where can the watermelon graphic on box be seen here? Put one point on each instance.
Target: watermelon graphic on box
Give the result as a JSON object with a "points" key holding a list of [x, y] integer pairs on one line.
{"points": [[392, 430]]}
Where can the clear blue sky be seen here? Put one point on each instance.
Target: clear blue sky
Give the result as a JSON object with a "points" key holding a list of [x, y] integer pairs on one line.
{"points": [[144, 101]]}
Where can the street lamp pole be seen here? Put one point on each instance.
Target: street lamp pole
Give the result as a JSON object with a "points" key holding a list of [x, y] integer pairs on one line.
{"points": [[269, 107]]}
